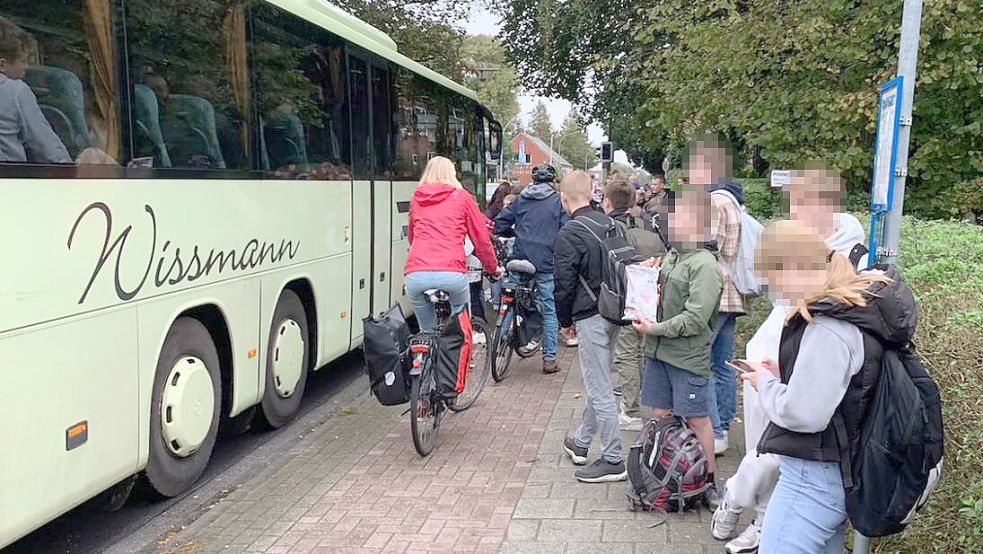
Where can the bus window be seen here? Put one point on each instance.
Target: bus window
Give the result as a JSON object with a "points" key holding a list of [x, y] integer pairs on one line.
{"points": [[190, 67], [358, 71], [300, 88], [59, 91], [382, 124], [411, 143]]}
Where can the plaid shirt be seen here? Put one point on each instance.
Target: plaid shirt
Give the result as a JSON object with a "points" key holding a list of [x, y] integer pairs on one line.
{"points": [[725, 228]]}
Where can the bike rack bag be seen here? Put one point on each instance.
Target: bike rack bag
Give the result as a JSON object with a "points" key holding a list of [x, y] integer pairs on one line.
{"points": [[385, 344], [453, 361]]}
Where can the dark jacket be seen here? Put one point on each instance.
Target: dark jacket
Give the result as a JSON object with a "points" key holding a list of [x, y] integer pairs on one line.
{"points": [[534, 220], [888, 320], [578, 253]]}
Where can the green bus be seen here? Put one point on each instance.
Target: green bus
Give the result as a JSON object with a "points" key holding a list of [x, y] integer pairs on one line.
{"points": [[201, 200]]}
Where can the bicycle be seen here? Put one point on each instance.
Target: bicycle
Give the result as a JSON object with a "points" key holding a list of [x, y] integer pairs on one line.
{"points": [[427, 405], [511, 325]]}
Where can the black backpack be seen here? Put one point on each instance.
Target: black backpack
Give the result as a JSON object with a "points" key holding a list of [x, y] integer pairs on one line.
{"points": [[892, 460], [618, 254], [897, 462]]}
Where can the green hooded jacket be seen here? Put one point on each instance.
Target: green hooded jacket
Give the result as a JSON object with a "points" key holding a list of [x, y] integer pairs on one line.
{"points": [[691, 283]]}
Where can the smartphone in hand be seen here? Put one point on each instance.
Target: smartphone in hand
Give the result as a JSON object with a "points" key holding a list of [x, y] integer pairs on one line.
{"points": [[739, 365]]}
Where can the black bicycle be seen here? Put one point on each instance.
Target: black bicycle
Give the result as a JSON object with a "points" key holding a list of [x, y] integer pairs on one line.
{"points": [[514, 333], [427, 404]]}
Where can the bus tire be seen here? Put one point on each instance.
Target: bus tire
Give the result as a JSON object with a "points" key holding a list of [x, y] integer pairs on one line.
{"points": [[286, 363], [184, 409]]}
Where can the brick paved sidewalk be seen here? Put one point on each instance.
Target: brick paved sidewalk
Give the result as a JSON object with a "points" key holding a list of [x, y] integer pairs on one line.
{"points": [[498, 481]]}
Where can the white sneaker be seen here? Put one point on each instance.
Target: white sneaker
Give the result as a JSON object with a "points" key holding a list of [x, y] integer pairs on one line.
{"points": [[571, 342], [748, 542], [720, 445], [629, 423], [723, 525], [479, 338]]}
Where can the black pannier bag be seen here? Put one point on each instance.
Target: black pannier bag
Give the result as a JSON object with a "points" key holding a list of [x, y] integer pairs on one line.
{"points": [[530, 319], [453, 360], [385, 344]]}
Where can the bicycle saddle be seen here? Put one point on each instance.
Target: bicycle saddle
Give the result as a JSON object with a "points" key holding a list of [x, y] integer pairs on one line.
{"points": [[521, 266], [437, 295]]}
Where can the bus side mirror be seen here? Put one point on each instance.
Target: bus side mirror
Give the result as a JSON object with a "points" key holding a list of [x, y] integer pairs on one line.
{"points": [[495, 140]]}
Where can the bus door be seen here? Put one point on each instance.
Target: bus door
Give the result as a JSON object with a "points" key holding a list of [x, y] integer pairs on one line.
{"points": [[372, 193]]}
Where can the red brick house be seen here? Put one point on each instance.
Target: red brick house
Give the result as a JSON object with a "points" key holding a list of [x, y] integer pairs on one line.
{"points": [[532, 151]]}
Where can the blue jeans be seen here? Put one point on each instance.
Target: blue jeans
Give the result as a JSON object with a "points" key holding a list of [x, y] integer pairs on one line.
{"points": [[807, 511], [456, 284], [547, 308], [723, 393]]}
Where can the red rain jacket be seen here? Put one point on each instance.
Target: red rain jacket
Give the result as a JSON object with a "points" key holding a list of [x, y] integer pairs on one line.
{"points": [[440, 217]]}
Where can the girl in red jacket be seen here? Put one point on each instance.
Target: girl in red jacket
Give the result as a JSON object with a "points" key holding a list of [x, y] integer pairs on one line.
{"points": [[442, 213]]}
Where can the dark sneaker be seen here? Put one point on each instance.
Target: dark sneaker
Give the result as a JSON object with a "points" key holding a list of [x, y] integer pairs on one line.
{"points": [[577, 454], [550, 366], [713, 497], [602, 471]]}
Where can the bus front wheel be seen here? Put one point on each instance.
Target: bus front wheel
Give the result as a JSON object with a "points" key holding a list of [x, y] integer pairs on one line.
{"points": [[184, 410], [286, 363]]}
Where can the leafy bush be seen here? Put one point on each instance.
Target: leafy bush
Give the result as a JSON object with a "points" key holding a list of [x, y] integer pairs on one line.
{"points": [[943, 263]]}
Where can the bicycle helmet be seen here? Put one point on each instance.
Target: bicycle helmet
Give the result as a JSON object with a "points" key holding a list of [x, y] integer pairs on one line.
{"points": [[543, 173]]}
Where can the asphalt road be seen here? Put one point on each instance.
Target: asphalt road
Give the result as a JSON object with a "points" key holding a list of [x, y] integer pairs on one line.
{"points": [[145, 521]]}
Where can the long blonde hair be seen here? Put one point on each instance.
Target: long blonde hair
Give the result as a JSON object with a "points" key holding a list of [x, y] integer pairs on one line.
{"points": [[440, 171], [786, 243]]}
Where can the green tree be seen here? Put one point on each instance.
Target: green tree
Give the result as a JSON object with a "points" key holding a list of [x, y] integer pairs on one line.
{"points": [[540, 124], [571, 142], [786, 81], [488, 72]]}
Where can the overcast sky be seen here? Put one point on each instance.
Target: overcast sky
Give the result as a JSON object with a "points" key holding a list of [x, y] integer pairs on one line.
{"points": [[483, 22]]}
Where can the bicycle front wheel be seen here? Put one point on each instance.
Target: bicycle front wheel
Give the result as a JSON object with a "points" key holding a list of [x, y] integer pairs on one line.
{"points": [[501, 353], [424, 412], [479, 369]]}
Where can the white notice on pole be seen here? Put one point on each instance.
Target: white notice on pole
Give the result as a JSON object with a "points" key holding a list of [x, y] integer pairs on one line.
{"points": [[884, 154], [781, 177]]}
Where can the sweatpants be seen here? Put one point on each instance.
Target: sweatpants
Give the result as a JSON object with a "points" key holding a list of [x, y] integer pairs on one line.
{"points": [[596, 337], [752, 485], [629, 362]]}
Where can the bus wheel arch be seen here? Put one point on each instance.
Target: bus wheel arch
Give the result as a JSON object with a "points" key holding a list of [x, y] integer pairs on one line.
{"points": [[185, 407], [288, 357]]}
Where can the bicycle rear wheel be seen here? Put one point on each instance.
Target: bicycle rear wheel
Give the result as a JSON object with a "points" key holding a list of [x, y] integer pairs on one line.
{"points": [[480, 369], [424, 411], [501, 353]]}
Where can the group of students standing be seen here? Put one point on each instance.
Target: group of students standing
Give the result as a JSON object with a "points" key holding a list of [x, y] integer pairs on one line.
{"points": [[801, 361]]}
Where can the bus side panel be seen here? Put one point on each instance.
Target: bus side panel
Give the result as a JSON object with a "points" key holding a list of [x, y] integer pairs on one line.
{"points": [[54, 378], [402, 194], [332, 293], [361, 257]]}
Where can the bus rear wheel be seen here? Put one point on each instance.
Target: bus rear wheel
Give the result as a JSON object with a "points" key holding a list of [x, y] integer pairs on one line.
{"points": [[286, 363], [184, 410]]}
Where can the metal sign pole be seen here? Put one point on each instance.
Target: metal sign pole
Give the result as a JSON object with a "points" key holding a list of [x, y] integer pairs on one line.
{"points": [[907, 60], [911, 22]]}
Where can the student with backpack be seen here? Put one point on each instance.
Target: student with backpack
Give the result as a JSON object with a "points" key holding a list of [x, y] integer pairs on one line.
{"points": [[677, 347], [578, 275], [629, 359], [845, 421], [815, 197], [711, 165]]}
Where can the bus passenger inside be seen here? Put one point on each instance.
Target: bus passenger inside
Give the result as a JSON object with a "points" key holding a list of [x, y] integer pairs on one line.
{"points": [[25, 134]]}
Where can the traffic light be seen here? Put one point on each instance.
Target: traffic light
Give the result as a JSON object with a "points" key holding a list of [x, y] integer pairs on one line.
{"points": [[606, 152]]}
